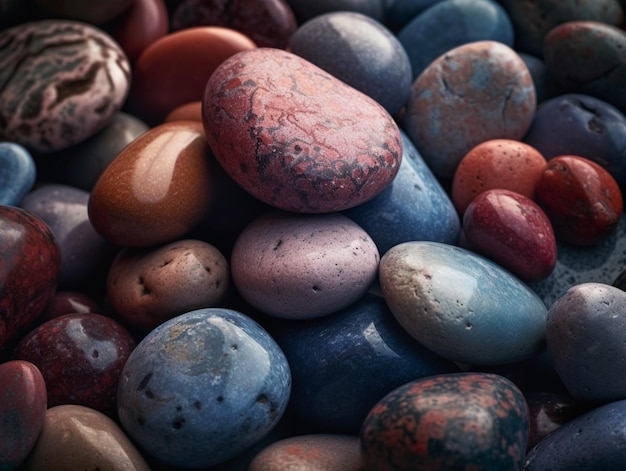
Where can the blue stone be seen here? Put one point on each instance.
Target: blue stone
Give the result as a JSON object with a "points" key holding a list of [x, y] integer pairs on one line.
{"points": [[453, 23], [344, 363], [594, 440], [414, 207], [399, 12], [202, 387], [359, 51], [17, 173]]}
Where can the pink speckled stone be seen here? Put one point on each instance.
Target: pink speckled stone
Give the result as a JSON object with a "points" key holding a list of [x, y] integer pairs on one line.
{"points": [[296, 137], [60, 82], [300, 266]]}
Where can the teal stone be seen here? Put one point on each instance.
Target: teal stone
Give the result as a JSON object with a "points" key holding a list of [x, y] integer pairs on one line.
{"points": [[17, 173], [461, 305]]}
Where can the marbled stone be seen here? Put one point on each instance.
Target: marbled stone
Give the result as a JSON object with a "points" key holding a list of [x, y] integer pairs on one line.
{"points": [[202, 387], [22, 411], [17, 173], [61, 82], [456, 421], [361, 52], [470, 94], [414, 207], [77, 437], [279, 126], [163, 175], [461, 305]]}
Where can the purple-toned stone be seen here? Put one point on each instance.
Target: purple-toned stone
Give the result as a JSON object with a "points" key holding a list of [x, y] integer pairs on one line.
{"points": [[296, 137], [60, 82]]}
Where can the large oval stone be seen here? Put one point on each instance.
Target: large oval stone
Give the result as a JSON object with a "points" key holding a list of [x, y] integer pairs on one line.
{"points": [[296, 137], [60, 82], [462, 306]]}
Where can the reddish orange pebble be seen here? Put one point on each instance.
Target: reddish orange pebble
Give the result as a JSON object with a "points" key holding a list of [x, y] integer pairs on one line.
{"points": [[497, 164]]}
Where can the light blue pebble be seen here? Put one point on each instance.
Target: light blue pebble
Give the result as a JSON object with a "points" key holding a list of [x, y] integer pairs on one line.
{"points": [[453, 23], [202, 387], [460, 305], [414, 207], [17, 173]]}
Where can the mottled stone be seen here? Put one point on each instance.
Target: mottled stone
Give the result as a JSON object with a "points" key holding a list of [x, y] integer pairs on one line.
{"points": [[315, 452], [60, 82], [475, 421], [461, 305], [202, 387], [163, 175], [472, 93], [22, 411], [17, 173], [279, 125], [77, 437]]}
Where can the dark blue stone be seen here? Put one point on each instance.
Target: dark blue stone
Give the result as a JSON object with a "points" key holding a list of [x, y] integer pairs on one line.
{"points": [[360, 51], [594, 440], [575, 124], [17, 173], [399, 12], [203, 387], [543, 80], [343, 364], [414, 207], [453, 23]]}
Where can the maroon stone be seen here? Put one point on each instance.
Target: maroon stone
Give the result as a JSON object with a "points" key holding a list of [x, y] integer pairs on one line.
{"points": [[296, 137], [81, 357], [549, 411], [30, 261]]}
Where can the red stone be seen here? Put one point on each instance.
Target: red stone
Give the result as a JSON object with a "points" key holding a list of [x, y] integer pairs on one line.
{"points": [[513, 231], [157, 188], [581, 198], [174, 69], [22, 410]]}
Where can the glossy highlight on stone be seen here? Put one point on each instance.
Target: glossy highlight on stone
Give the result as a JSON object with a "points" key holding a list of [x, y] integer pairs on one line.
{"points": [[202, 387], [454, 421], [156, 189], [279, 126], [17, 173], [62, 82]]}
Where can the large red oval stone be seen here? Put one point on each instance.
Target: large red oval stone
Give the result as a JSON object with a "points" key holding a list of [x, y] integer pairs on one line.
{"points": [[296, 137]]}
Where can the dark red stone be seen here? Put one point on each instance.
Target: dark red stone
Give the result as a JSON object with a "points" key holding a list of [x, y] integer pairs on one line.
{"points": [[547, 412], [22, 411], [296, 137], [30, 260], [81, 357], [269, 23], [453, 421], [69, 302], [581, 199]]}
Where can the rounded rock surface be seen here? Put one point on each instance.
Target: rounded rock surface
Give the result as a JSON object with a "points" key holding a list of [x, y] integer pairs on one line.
{"points": [[17, 173], [300, 266], [279, 126], [61, 82]]}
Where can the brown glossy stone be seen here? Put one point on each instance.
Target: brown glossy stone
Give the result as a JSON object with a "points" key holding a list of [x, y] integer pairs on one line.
{"points": [[187, 112], [316, 452], [141, 25], [61, 82], [174, 69], [157, 188], [77, 437], [148, 287]]}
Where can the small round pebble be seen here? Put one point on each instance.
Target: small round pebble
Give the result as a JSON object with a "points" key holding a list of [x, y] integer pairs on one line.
{"points": [[498, 163], [513, 231], [475, 421], [359, 51], [17, 173], [146, 287], [300, 266], [62, 82], [296, 137], [202, 387], [315, 452], [461, 305], [23, 406], [585, 334], [473, 93], [77, 437]]}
